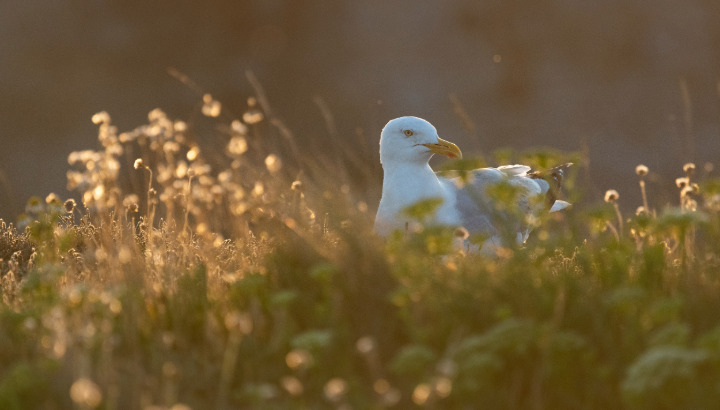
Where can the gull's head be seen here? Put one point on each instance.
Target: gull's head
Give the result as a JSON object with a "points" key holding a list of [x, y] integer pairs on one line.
{"points": [[413, 140]]}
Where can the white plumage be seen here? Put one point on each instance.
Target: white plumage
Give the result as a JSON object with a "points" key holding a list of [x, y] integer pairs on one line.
{"points": [[406, 146]]}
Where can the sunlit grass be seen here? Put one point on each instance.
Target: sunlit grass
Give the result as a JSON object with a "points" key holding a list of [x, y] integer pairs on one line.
{"points": [[188, 276]]}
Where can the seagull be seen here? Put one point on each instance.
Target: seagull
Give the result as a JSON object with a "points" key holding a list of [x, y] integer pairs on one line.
{"points": [[406, 146]]}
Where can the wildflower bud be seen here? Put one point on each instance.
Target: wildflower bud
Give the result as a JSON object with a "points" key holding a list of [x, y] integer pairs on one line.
{"points": [[641, 170], [139, 163], [682, 182], [70, 205], [689, 168], [611, 195]]}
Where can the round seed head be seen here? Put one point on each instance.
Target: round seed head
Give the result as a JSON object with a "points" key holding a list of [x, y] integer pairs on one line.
{"points": [[641, 170], [689, 168], [682, 182], [70, 205], [611, 195], [52, 199], [461, 232]]}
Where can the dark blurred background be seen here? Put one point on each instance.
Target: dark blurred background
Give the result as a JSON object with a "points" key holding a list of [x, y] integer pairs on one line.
{"points": [[631, 81]]}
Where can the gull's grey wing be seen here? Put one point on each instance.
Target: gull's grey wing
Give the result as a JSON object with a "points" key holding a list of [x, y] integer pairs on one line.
{"points": [[483, 214]]}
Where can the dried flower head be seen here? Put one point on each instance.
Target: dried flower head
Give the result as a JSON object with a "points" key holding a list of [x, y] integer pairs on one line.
{"points": [[296, 186], [689, 168], [273, 163], [641, 170], [641, 210], [611, 195], [237, 145], [52, 199], [193, 153], [461, 232], [139, 163], [686, 191], [211, 107], [682, 182], [69, 205], [253, 116], [101, 118]]}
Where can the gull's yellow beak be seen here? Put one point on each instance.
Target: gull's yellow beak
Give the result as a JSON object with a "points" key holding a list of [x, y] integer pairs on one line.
{"points": [[446, 148]]}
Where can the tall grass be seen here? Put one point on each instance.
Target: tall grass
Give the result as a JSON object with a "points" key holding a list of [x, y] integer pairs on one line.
{"points": [[247, 277]]}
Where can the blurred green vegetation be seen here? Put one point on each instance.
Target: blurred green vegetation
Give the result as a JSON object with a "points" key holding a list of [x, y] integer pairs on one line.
{"points": [[254, 285]]}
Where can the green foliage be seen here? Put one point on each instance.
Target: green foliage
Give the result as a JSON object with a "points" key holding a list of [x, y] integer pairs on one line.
{"points": [[238, 288], [423, 209]]}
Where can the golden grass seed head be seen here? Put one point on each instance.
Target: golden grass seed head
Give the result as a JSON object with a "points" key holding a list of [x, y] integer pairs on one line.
{"points": [[641, 170], [682, 182], [211, 107], [253, 116], [85, 392], [193, 153], [273, 163], [237, 145], [101, 117], [52, 199], [611, 195], [298, 359], [335, 389], [180, 126], [292, 385], [421, 394], [366, 344], [225, 176], [689, 168], [238, 127], [156, 115], [171, 147]]}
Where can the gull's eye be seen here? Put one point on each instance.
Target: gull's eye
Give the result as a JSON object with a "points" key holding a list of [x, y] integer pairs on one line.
{"points": [[408, 133]]}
